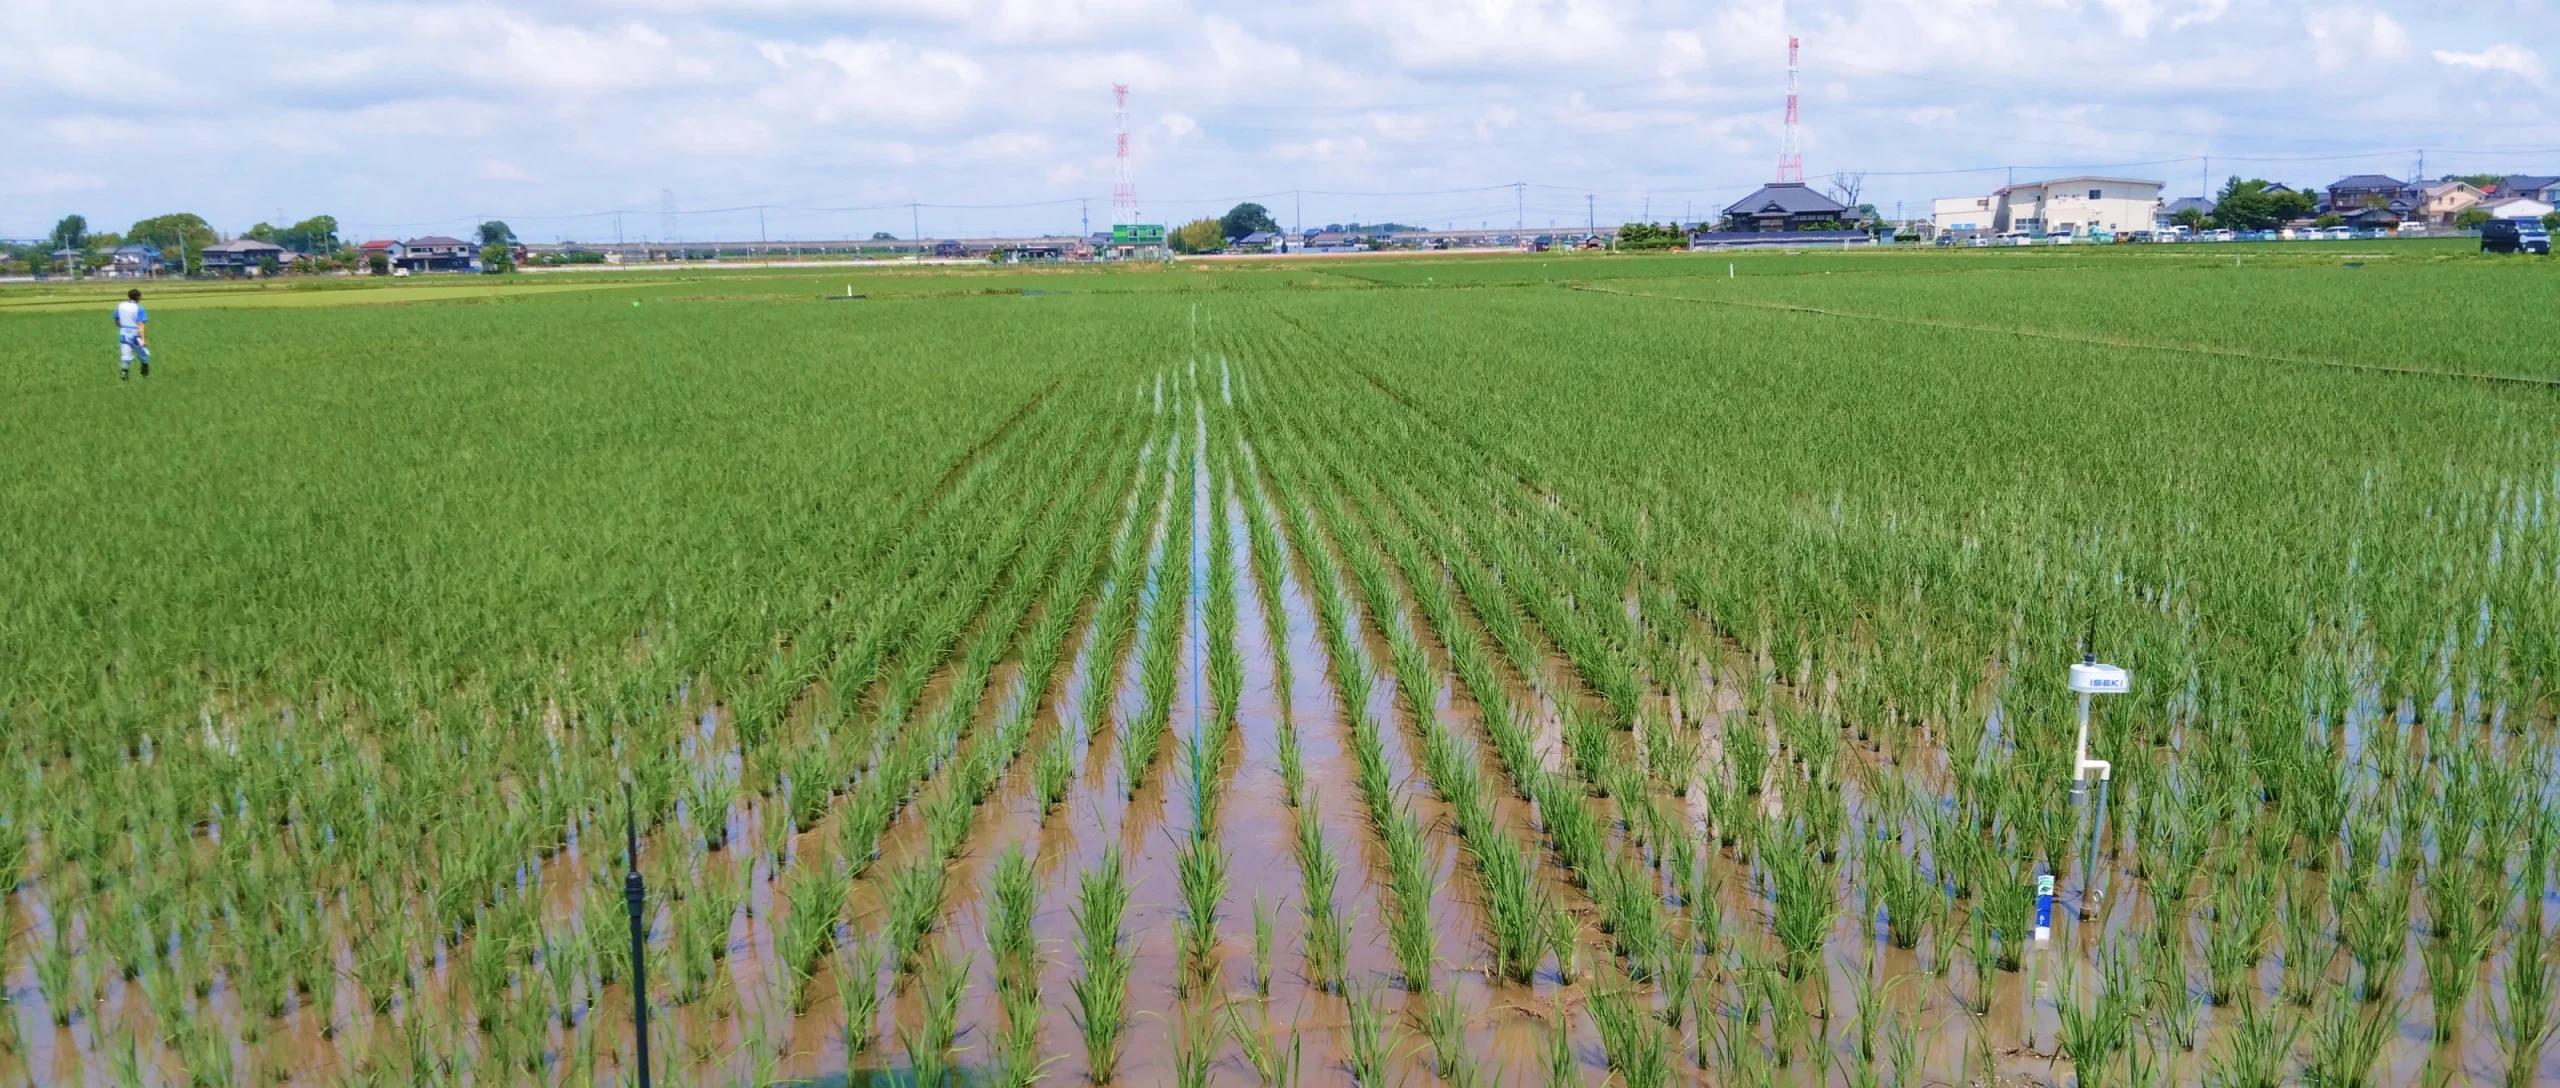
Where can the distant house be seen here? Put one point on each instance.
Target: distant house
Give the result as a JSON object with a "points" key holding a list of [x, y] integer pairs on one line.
{"points": [[1784, 206], [949, 248], [435, 253], [1331, 241], [2544, 189], [2170, 211], [240, 256], [390, 252], [2439, 202], [134, 260], [2517, 207], [70, 261], [1961, 215], [2348, 195], [1261, 241]]}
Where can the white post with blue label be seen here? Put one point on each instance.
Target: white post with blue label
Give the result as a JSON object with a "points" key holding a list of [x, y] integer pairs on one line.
{"points": [[2090, 679]]}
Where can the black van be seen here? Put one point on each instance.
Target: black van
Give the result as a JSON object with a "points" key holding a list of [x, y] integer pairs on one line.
{"points": [[2514, 236]]}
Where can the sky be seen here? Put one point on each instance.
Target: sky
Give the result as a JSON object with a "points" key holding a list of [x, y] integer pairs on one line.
{"points": [[737, 119]]}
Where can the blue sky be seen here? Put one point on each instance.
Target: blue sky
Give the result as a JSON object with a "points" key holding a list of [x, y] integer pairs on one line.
{"points": [[834, 115]]}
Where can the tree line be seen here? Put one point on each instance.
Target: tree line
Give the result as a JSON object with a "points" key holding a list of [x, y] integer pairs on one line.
{"points": [[311, 245]]}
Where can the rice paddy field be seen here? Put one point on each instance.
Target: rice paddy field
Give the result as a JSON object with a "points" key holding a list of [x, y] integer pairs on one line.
{"points": [[1523, 670]]}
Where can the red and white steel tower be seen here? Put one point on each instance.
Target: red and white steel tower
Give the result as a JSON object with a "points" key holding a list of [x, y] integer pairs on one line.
{"points": [[1791, 149], [1124, 181]]}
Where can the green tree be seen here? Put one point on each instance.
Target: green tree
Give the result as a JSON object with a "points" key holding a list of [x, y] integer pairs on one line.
{"points": [[266, 232], [180, 235], [2551, 221], [1244, 219], [2247, 205], [2470, 219], [2477, 181], [2329, 219], [71, 233], [496, 233], [2191, 218], [269, 265], [496, 257], [1651, 236], [316, 235], [883, 236], [1198, 236]]}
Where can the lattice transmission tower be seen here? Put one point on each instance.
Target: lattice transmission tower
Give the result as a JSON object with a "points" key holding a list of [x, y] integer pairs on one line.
{"points": [[1124, 179], [1791, 147]]}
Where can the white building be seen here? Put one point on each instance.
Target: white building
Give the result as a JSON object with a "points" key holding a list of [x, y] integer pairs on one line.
{"points": [[2077, 205], [1961, 213], [2516, 207]]}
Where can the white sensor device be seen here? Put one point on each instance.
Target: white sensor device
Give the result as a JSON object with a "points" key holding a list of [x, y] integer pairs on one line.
{"points": [[2091, 678]]}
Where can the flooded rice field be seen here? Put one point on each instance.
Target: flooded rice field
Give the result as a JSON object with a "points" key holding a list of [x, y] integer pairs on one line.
{"points": [[1245, 725]]}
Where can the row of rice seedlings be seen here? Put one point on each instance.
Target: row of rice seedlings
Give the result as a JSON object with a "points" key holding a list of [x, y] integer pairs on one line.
{"points": [[1115, 619], [1102, 990], [1630, 914], [1014, 894], [1160, 658], [1327, 937], [1200, 868], [829, 644], [1407, 902]]}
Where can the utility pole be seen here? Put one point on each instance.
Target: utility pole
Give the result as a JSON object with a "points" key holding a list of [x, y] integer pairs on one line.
{"points": [[1084, 216], [1519, 197], [1297, 215], [1590, 218], [915, 221]]}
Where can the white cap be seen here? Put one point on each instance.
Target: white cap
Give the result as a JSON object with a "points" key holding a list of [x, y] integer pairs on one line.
{"points": [[2093, 678]]}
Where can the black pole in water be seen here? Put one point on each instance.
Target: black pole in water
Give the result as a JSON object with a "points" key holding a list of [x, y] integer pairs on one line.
{"points": [[635, 893]]}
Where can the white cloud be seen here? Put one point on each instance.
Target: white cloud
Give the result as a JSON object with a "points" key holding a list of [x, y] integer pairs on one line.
{"points": [[393, 112], [2514, 60]]}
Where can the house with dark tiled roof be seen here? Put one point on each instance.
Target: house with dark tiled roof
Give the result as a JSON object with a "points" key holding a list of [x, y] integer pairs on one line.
{"points": [[1784, 206], [434, 253], [239, 256], [2534, 186]]}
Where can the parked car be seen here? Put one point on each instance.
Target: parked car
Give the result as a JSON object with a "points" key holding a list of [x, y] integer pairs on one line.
{"points": [[2224, 234], [2514, 236], [2014, 238], [2341, 234], [2139, 236], [1947, 239], [1979, 241]]}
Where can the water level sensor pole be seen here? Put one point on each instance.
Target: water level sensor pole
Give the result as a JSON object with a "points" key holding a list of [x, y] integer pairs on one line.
{"points": [[2090, 678], [635, 893]]}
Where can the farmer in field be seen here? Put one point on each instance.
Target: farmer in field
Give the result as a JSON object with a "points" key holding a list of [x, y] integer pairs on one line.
{"points": [[131, 337]]}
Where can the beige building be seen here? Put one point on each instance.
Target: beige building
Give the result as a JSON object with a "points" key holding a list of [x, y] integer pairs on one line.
{"points": [[1954, 214], [2077, 205], [2440, 202]]}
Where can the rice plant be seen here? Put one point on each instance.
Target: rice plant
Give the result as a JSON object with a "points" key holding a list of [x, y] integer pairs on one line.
{"points": [[1265, 927], [2347, 1040], [1327, 934], [1102, 991], [1200, 869], [858, 990], [1367, 1038], [1444, 1028]]}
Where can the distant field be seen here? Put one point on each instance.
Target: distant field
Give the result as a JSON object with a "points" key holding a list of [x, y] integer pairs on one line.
{"points": [[1511, 669]]}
